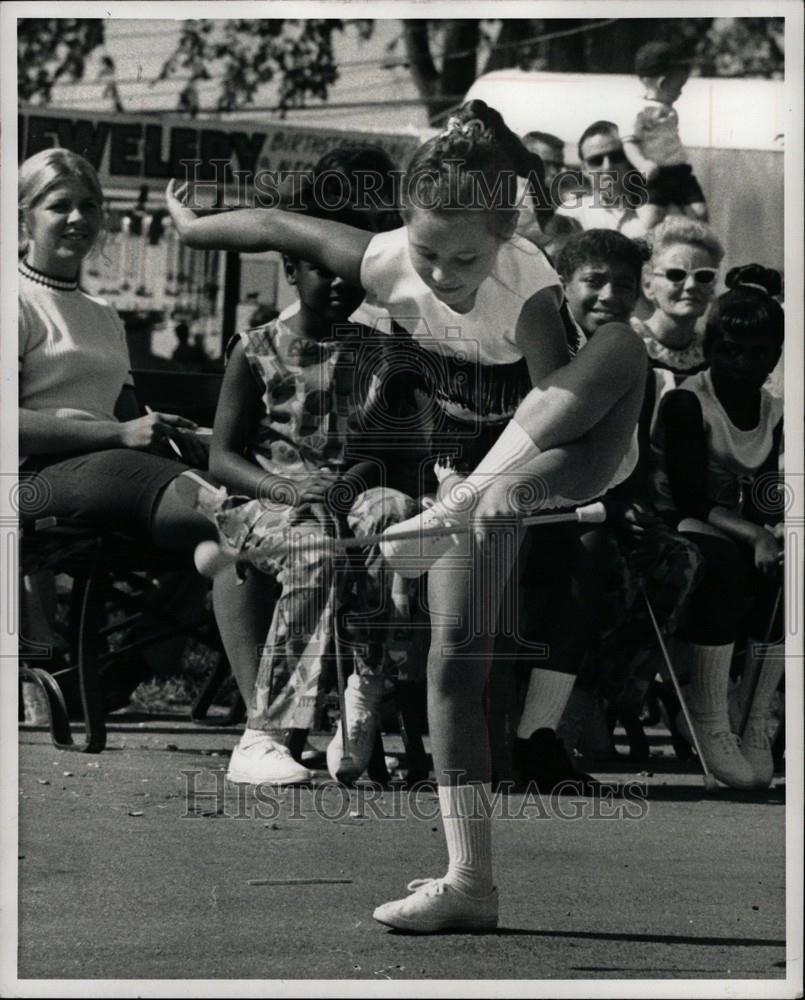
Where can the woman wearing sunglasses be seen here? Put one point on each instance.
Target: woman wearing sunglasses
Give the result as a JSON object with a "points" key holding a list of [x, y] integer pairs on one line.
{"points": [[679, 283]]}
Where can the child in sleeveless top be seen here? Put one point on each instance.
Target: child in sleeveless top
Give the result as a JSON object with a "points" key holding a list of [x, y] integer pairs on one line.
{"points": [[718, 455]]}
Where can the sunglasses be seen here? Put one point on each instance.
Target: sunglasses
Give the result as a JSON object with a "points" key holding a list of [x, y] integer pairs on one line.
{"points": [[597, 160], [676, 275]]}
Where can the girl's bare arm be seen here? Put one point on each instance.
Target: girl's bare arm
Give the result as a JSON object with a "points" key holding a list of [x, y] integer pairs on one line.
{"points": [[328, 244], [572, 400]]}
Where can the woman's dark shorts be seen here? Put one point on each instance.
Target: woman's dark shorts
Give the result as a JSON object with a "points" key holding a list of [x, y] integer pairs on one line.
{"points": [[117, 489], [675, 185]]}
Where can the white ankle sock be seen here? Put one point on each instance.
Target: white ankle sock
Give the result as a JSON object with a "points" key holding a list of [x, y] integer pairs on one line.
{"points": [[709, 684], [771, 672], [508, 456], [468, 831], [547, 695]]}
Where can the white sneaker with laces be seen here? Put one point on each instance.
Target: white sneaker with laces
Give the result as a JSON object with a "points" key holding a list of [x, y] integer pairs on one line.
{"points": [[436, 905], [362, 697], [260, 760], [722, 753], [756, 748], [409, 552]]}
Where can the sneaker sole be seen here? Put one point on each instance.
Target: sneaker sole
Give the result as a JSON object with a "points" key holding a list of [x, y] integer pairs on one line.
{"points": [[466, 926], [236, 779]]}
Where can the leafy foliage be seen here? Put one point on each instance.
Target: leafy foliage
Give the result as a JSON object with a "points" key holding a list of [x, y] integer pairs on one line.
{"points": [[50, 50], [443, 56], [247, 54]]}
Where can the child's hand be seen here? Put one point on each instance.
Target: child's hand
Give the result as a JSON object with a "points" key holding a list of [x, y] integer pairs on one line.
{"points": [[632, 519], [175, 197], [314, 488], [767, 552]]}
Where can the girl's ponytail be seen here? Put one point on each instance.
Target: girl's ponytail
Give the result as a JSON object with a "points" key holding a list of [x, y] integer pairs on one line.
{"points": [[748, 306], [765, 279], [523, 161], [525, 164], [477, 142]]}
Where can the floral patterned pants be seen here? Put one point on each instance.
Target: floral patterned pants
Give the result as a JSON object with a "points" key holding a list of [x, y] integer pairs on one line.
{"points": [[375, 615]]}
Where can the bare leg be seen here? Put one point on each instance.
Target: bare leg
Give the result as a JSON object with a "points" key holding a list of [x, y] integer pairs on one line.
{"points": [[38, 609], [464, 592], [243, 611], [176, 525]]}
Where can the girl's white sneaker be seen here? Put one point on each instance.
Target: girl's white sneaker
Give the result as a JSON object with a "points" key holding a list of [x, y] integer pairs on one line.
{"points": [[411, 547], [436, 905]]}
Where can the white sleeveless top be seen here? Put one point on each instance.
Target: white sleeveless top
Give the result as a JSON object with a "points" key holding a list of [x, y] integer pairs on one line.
{"points": [[733, 455], [487, 332]]}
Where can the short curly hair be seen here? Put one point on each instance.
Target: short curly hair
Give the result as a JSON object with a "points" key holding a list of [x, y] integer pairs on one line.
{"points": [[601, 245], [676, 229]]}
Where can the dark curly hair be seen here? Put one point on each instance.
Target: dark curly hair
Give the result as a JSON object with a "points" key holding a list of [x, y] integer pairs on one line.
{"points": [[601, 245], [304, 197], [350, 162], [473, 164], [748, 306]]}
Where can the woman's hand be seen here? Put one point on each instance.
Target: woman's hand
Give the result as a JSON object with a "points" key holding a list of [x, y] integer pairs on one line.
{"points": [[182, 214], [767, 552], [153, 430]]}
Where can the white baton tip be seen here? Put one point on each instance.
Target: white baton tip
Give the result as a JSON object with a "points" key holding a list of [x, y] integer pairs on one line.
{"points": [[593, 513], [210, 558]]}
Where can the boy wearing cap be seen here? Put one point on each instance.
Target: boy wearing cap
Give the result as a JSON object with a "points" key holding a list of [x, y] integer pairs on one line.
{"points": [[649, 130]]}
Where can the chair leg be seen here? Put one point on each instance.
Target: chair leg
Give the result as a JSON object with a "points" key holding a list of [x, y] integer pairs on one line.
{"points": [[90, 591], [502, 715], [58, 719], [377, 770], [296, 743], [198, 712], [409, 713]]}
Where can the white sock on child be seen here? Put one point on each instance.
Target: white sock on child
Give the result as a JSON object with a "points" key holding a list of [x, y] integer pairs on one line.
{"points": [[251, 736], [410, 557], [545, 701], [769, 677], [709, 683], [508, 456], [468, 831]]}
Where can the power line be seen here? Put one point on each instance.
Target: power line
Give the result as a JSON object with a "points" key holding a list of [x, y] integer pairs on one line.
{"points": [[386, 62], [597, 25], [324, 106]]}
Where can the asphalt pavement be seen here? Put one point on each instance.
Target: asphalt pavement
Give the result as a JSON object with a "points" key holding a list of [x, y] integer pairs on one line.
{"points": [[141, 863]]}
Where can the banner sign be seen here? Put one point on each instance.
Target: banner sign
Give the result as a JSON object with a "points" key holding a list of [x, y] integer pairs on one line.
{"points": [[129, 150]]}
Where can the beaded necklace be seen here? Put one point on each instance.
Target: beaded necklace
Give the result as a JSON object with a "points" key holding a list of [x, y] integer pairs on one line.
{"points": [[47, 280]]}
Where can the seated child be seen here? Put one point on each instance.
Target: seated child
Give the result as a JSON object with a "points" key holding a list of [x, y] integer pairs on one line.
{"points": [[649, 130], [718, 449], [296, 397], [600, 271]]}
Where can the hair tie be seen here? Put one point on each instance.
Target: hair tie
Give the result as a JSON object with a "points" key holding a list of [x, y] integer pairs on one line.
{"points": [[753, 284], [467, 130]]}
